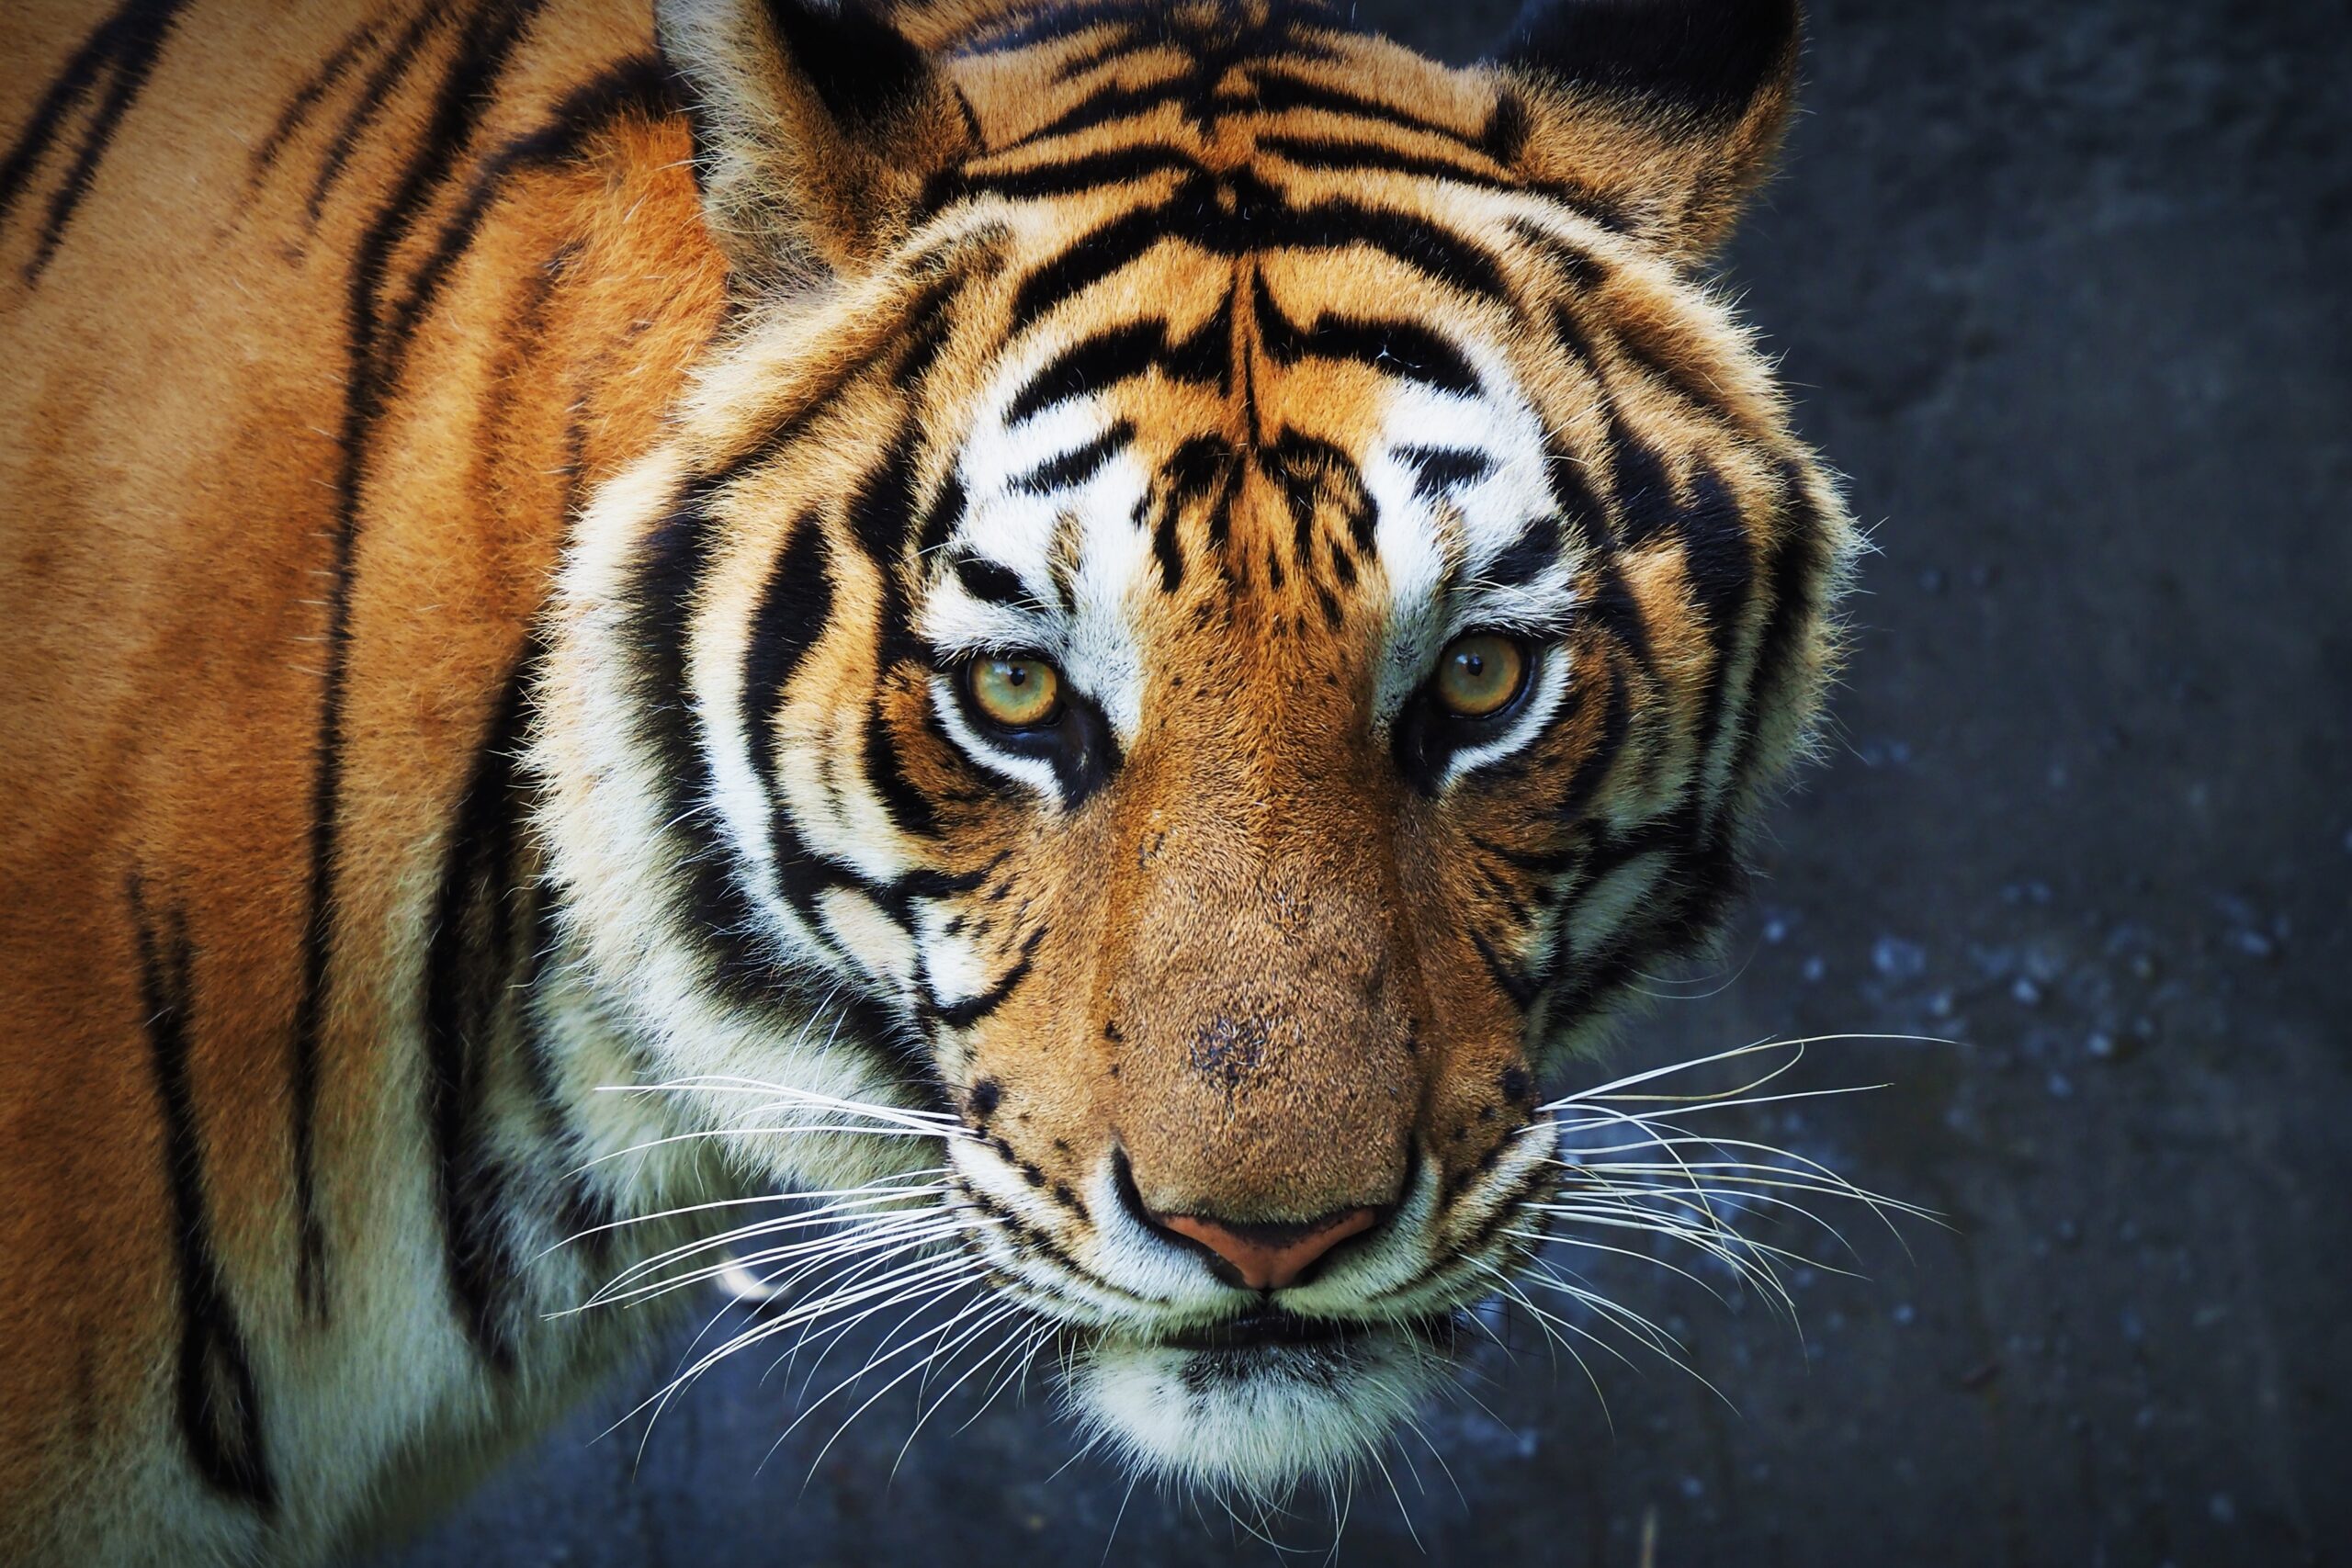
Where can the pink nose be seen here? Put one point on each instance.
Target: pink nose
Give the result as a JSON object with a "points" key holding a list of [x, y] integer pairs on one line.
{"points": [[1268, 1257]]}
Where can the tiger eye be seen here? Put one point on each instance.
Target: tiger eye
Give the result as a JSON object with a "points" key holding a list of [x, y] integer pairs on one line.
{"points": [[1480, 674], [1018, 693]]}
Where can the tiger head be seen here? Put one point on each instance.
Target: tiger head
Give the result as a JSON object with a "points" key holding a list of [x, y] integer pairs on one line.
{"points": [[1227, 589]]}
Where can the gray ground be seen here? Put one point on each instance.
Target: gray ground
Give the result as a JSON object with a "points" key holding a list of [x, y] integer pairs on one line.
{"points": [[2063, 287]]}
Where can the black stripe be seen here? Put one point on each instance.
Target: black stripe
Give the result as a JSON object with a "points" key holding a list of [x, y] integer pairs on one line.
{"points": [[583, 1215], [1719, 563], [1091, 364], [1535, 551], [1400, 348], [943, 515], [1543, 862], [1514, 982], [218, 1404], [930, 321], [1204, 468], [1429, 248], [374, 94], [908, 809], [1611, 606], [1085, 262], [1659, 364], [712, 903], [1798, 562], [375, 359], [122, 49], [1645, 499], [1573, 500], [471, 963], [1437, 470], [1615, 721], [1341, 155], [1279, 93], [307, 97], [637, 86], [1107, 103], [991, 582], [793, 612], [1080, 464], [1070, 176], [972, 1009]]}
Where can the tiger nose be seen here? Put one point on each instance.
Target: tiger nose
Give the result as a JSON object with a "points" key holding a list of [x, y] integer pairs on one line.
{"points": [[1269, 1257]]}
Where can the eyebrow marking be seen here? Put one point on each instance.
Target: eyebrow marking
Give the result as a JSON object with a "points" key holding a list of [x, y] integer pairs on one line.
{"points": [[991, 582], [1537, 546], [1437, 470], [1077, 466]]}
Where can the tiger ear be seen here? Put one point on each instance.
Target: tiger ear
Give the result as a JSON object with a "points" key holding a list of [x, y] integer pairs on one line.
{"points": [[815, 127], [1666, 112]]}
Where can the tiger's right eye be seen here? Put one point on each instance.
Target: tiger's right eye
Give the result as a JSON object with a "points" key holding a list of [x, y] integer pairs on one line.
{"points": [[1018, 693]]}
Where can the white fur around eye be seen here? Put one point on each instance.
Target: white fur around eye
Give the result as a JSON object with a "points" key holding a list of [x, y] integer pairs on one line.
{"points": [[1436, 541], [1032, 772]]}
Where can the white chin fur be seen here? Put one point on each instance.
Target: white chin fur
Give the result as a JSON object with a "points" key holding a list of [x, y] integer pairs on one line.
{"points": [[1257, 1421]]}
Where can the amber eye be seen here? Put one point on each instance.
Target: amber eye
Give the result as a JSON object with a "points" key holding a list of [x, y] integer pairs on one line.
{"points": [[1480, 675], [1018, 692]]}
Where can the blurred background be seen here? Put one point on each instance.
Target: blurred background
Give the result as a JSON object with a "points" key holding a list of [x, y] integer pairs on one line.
{"points": [[2063, 287]]}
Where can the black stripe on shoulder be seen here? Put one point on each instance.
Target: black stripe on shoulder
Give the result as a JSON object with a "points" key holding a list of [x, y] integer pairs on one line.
{"points": [[470, 964], [375, 359], [374, 94], [635, 87], [307, 97], [215, 1396], [122, 53]]}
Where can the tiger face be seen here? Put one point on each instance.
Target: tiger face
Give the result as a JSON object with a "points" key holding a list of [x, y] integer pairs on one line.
{"points": [[1227, 592]]}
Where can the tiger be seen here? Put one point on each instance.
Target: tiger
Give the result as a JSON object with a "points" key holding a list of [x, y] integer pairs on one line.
{"points": [[1108, 627]]}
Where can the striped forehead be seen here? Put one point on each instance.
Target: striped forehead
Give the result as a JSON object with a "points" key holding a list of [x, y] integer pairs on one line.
{"points": [[1354, 466]]}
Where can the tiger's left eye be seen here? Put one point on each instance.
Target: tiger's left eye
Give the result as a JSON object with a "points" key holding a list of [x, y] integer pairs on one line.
{"points": [[1018, 692], [1480, 674]]}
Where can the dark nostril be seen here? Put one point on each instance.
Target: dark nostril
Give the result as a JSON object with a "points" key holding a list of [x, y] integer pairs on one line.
{"points": [[1255, 1254]]}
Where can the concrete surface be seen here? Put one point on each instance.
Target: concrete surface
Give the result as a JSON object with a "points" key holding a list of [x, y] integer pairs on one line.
{"points": [[2063, 287]]}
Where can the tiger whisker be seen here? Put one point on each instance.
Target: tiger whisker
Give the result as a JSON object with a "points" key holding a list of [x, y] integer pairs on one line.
{"points": [[863, 1211], [1012, 1337], [821, 1250], [912, 1277]]}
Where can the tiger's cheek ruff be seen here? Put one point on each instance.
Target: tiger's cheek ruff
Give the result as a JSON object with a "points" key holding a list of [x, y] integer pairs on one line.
{"points": [[665, 920]]}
